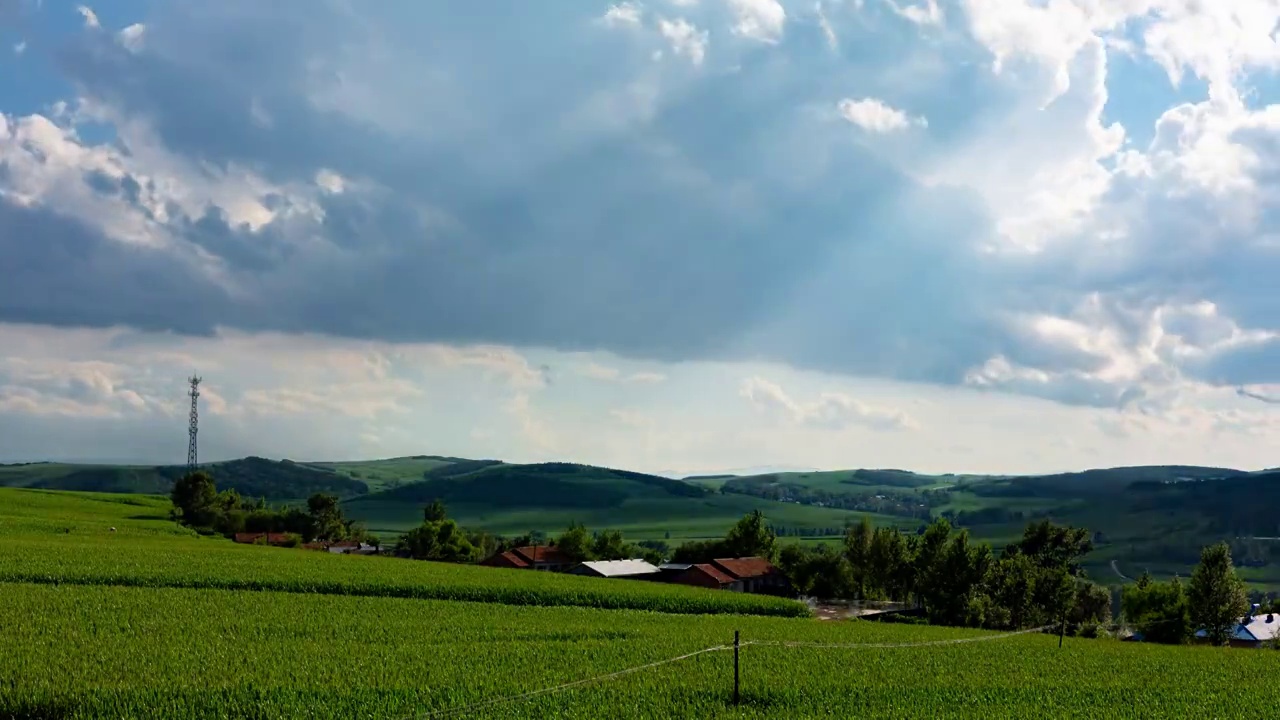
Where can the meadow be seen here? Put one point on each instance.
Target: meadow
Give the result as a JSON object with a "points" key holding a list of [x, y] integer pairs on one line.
{"points": [[81, 652], [72, 546], [153, 621]]}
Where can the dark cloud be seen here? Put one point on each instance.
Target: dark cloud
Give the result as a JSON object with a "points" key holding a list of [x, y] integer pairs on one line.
{"points": [[521, 175]]}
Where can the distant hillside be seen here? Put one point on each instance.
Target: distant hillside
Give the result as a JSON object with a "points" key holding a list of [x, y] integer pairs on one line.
{"points": [[253, 477], [544, 485]]}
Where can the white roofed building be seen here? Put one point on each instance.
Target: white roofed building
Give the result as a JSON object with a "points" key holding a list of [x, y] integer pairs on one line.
{"points": [[1252, 631], [637, 569]]}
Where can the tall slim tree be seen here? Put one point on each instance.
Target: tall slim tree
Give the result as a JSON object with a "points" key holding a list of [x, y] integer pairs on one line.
{"points": [[1217, 595]]}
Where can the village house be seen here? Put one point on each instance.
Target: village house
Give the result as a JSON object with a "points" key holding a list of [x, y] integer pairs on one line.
{"points": [[253, 537], [707, 576], [531, 557], [633, 569], [1252, 631], [756, 574]]}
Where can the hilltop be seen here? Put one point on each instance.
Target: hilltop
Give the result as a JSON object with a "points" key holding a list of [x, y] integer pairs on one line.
{"points": [[1152, 518]]}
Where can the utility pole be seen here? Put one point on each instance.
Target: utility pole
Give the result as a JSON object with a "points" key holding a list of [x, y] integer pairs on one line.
{"points": [[735, 667], [195, 421]]}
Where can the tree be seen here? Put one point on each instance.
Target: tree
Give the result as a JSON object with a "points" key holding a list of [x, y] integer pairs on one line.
{"points": [[575, 543], [326, 517], [443, 541], [609, 545], [1217, 596], [1160, 611], [699, 551], [194, 495], [857, 548], [435, 512], [751, 537]]}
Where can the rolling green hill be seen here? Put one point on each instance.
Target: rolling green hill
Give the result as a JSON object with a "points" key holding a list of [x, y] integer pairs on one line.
{"points": [[547, 497], [1153, 517], [252, 477]]}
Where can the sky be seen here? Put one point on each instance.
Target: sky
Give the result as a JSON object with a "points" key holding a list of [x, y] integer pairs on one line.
{"points": [[674, 236]]}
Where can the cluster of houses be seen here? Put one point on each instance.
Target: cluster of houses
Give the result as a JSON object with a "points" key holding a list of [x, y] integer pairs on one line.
{"points": [[750, 574], [1253, 631], [340, 547]]}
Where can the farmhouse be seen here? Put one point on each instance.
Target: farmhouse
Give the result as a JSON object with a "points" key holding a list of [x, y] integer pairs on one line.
{"points": [[634, 569], [272, 538], [1252, 631], [531, 557], [708, 576], [756, 574]]}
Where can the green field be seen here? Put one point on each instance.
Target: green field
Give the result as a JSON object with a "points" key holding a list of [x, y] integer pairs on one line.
{"points": [[153, 621], [37, 549], [123, 652], [1155, 516]]}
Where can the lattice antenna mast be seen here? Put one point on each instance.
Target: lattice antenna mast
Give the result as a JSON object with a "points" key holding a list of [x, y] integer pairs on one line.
{"points": [[195, 420]]}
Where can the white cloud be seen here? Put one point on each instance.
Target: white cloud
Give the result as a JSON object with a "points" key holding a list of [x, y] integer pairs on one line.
{"points": [[685, 38], [875, 116], [831, 410], [132, 37], [596, 371], [20, 47], [761, 20], [927, 13], [621, 15], [330, 181], [90, 18]]}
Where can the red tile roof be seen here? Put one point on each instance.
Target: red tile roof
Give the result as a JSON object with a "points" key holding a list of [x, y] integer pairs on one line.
{"points": [[714, 573], [514, 559], [253, 537], [749, 567], [541, 554]]}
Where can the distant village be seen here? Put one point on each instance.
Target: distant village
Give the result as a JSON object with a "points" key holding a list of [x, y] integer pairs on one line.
{"points": [[743, 574]]}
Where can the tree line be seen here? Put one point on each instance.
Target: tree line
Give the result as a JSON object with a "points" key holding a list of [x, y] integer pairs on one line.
{"points": [[440, 538], [198, 504], [1215, 600], [955, 581]]}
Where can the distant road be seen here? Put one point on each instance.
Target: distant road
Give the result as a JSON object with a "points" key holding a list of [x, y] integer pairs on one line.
{"points": [[1122, 575]]}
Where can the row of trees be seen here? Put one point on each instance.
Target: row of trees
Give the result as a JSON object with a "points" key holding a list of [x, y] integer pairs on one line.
{"points": [[1035, 581], [1170, 612], [441, 538], [197, 503]]}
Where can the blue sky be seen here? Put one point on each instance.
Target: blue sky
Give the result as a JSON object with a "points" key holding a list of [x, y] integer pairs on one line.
{"points": [[673, 235]]}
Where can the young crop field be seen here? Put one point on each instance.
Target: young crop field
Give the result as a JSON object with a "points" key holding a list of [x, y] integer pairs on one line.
{"points": [[219, 564], [81, 652]]}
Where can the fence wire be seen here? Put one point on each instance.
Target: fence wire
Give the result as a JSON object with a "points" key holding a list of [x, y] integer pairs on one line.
{"points": [[576, 683], [923, 643], [445, 712]]}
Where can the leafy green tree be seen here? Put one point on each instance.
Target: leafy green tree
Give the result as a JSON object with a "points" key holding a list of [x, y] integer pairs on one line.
{"points": [[889, 560], [821, 572], [1090, 609], [609, 545], [1160, 611], [1054, 546], [575, 543], [857, 548], [443, 541], [751, 537], [435, 512], [1011, 585], [699, 551], [195, 497], [1217, 596], [326, 517]]}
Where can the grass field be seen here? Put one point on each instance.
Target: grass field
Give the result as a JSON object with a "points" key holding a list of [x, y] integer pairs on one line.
{"points": [[141, 555], [151, 621], [98, 652], [676, 519]]}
